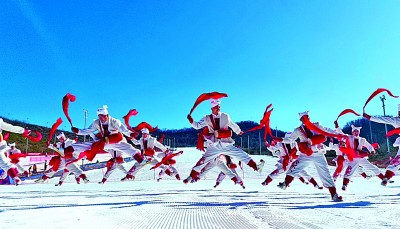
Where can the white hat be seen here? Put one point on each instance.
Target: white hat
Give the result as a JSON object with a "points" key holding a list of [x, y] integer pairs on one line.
{"points": [[301, 114], [353, 128], [145, 131], [103, 110], [12, 144], [215, 102], [61, 135]]}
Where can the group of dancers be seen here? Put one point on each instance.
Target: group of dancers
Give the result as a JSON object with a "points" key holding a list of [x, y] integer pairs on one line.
{"points": [[303, 147]]}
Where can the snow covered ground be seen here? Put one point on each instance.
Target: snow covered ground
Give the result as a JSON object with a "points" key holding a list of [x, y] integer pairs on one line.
{"points": [[146, 203]]}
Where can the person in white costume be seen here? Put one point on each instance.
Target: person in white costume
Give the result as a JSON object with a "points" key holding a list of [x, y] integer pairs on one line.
{"points": [[341, 160], [15, 151], [394, 164], [357, 143], [287, 154], [219, 140], [109, 133], [68, 151], [231, 173], [147, 145], [169, 169], [314, 156], [5, 163], [116, 162]]}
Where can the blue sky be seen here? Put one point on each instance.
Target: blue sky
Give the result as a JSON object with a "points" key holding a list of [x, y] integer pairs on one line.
{"points": [[159, 56]]}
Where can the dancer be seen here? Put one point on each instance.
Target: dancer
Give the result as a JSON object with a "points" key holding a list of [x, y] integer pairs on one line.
{"points": [[109, 136], [311, 153], [356, 143], [5, 162], [147, 145], [394, 163], [68, 150], [15, 154], [116, 162], [219, 140], [287, 154]]}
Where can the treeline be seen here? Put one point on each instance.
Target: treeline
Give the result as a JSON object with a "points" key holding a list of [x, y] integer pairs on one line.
{"points": [[251, 142]]}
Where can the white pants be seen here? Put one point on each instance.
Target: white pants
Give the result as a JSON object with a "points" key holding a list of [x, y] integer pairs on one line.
{"points": [[154, 160], [173, 170], [115, 165], [279, 170], [72, 168], [216, 149], [353, 166], [123, 147], [319, 161]]}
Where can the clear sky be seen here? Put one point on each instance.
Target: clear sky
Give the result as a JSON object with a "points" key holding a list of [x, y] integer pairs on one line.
{"points": [[159, 56]]}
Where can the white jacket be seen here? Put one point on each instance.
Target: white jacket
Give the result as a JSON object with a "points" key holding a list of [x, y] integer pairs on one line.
{"points": [[114, 126], [225, 123]]}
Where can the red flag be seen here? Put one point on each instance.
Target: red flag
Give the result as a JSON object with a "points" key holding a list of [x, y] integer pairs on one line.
{"points": [[65, 104], [207, 96], [145, 125], [379, 90], [53, 129], [132, 112]]}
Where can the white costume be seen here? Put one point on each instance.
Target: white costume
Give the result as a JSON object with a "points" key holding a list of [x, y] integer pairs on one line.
{"points": [[216, 145], [14, 150], [68, 154], [5, 163], [358, 143], [281, 151], [394, 164], [317, 158], [116, 162], [146, 144], [105, 130]]}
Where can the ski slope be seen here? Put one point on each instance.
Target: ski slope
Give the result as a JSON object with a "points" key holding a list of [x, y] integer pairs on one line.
{"points": [[146, 203]]}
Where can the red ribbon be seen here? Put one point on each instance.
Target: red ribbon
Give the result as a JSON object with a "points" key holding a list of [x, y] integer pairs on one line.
{"points": [[379, 90], [65, 104], [346, 111], [313, 127], [5, 136], [34, 138], [166, 159], [394, 131], [206, 96], [53, 129], [132, 112], [265, 122], [145, 125]]}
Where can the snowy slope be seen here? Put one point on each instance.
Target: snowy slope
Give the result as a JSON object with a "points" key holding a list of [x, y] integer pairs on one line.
{"points": [[146, 203]]}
